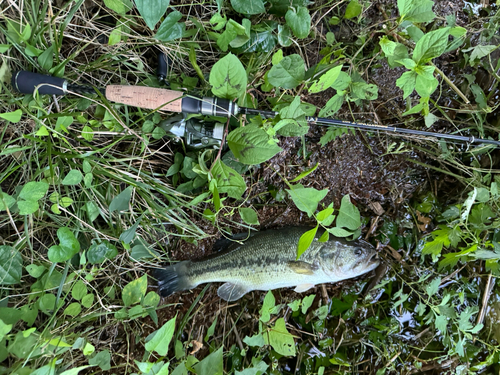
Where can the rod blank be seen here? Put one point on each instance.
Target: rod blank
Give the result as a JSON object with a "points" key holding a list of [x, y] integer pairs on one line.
{"points": [[177, 101]]}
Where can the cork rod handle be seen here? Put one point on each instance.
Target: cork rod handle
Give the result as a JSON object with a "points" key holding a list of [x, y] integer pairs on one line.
{"points": [[146, 97]]}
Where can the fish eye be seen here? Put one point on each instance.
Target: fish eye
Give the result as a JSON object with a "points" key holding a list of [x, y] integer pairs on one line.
{"points": [[358, 252]]}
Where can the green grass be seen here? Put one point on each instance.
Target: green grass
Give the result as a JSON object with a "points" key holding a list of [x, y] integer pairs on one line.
{"points": [[89, 202]]}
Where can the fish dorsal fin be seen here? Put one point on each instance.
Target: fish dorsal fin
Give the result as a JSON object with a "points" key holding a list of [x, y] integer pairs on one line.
{"points": [[301, 267], [227, 243], [303, 287], [231, 292]]}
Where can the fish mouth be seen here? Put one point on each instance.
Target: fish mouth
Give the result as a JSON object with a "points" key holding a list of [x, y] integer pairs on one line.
{"points": [[373, 261]]}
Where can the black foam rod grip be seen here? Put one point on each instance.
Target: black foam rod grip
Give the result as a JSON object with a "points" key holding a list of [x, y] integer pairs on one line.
{"points": [[25, 82]]}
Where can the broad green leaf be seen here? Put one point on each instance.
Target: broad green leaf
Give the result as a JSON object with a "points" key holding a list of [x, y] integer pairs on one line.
{"points": [[74, 177], [332, 106], [307, 302], [63, 122], [280, 339], [267, 307], [259, 367], [228, 78], [299, 21], [88, 349], [213, 363], [293, 121], [42, 132], [115, 37], [433, 286], [277, 57], [480, 51], [101, 359], [87, 133], [35, 270], [348, 216], [431, 45], [250, 145], [67, 247], [6, 201], [324, 214], [339, 232], [88, 300], [400, 52], [425, 87], [305, 241], [122, 200], [99, 252], [416, 10], [483, 195], [34, 191], [259, 41], [4, 329], [388, 46], [362, 90], [353, 9], [128, 235], [306, 199], [47, 302], [255, 340], [74, 370], [326, 80], [280, 7], [170, 29], [248, 215], [46, 59], [141, 251], [235, 35], [134, 291], [119, 6], [468, 204], [73, 309], [12, 116], [407, 83], [289, 73], [92, 210], [11, 265], [285, 35], [79, 290], [248, 7], [161, 339], [27, 207], [228, 180], [435, 246], [425, 71], [152, 10], [219, 20]]}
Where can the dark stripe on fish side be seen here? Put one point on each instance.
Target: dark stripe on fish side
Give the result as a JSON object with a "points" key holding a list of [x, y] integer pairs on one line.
{"points": [[228, 262]]}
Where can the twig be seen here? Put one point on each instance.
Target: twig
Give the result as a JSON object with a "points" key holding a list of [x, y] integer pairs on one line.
{"points": [[451, 84], [486, 296], [238, 338]]}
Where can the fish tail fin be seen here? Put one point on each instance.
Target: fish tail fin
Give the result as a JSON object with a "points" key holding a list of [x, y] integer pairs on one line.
{"points": [[173, 278]]}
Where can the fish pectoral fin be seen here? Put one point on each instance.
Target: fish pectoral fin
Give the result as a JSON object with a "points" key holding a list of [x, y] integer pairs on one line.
{"points": [[301, 267], [231, 292], [303, 287]]}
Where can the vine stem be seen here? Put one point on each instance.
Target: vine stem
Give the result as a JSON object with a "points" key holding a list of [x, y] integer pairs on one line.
{"points": [[451, 84]]}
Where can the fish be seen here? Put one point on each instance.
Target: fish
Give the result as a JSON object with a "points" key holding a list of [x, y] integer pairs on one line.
{"points": [[267, 260]]}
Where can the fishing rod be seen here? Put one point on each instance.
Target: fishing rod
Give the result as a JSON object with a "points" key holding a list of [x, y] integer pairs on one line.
{"points": [[180, 102]]}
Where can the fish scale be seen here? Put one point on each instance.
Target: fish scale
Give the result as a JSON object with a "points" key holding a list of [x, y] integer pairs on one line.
{"points": [[267, 260]]}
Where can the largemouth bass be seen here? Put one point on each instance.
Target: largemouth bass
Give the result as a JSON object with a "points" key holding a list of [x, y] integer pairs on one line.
{"points": [[267, 260]]}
